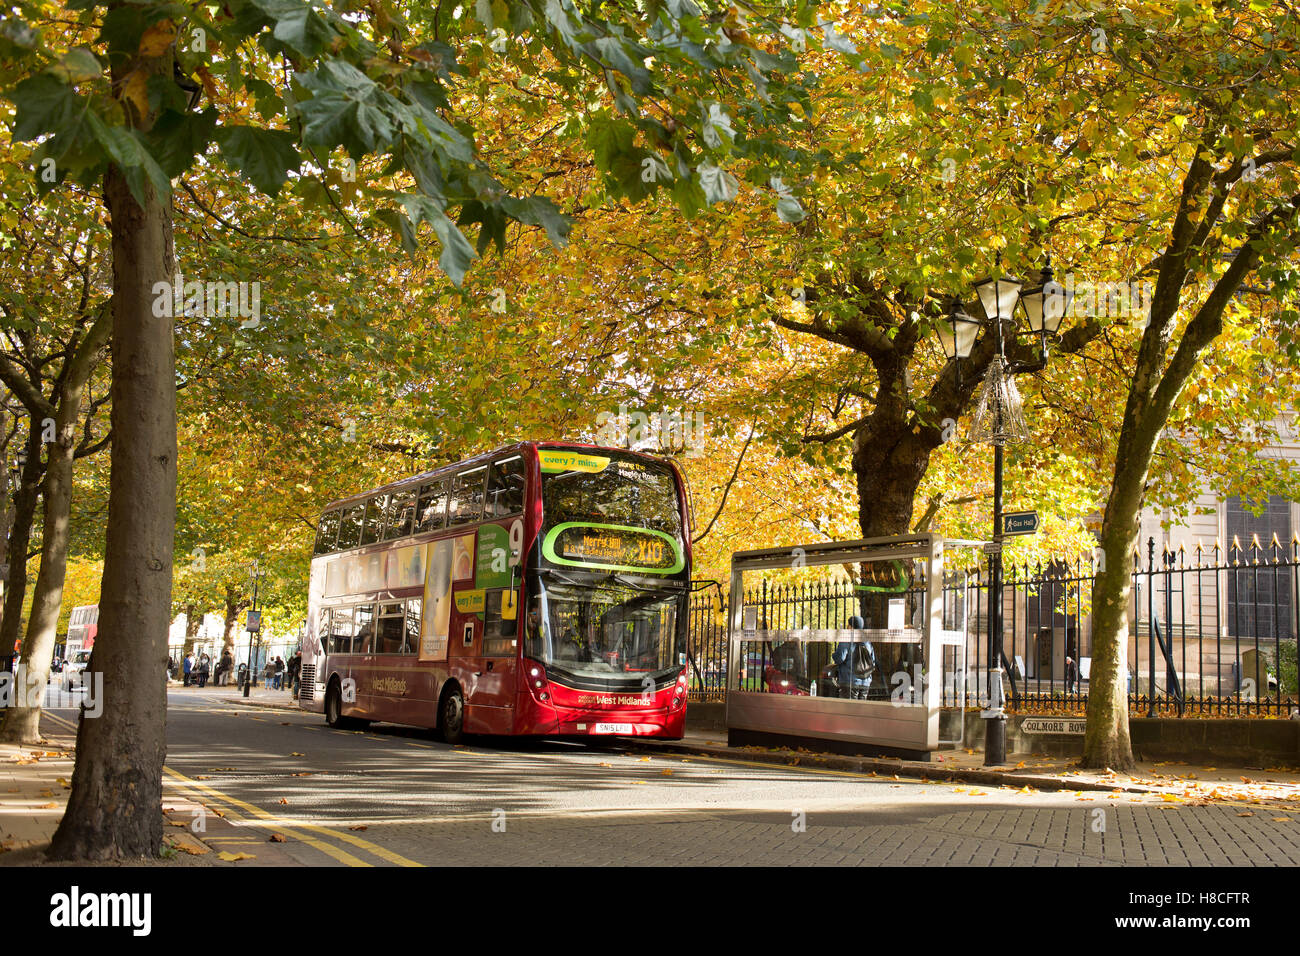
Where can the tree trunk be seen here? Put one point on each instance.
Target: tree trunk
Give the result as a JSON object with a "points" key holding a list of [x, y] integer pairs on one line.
{"points": [[22, 723], [6, 513], [192, 621], [889, 463], [233, 606], [20, 539], [114, 810]]}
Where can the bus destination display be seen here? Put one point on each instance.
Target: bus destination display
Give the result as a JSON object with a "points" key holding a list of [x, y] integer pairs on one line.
{"points": [[612, 547]]}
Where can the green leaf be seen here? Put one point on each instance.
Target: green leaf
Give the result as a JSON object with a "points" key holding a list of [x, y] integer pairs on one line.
{"points": [[45, 105], [401, 226], [539, 211], [457, 253], [344, 110], [263, 155], [176, 138], [126, 148], [77, 66], [299, 26], [718, 184]]}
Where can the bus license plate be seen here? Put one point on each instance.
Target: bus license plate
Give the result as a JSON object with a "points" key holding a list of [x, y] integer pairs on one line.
{"points": [[612, 729]]}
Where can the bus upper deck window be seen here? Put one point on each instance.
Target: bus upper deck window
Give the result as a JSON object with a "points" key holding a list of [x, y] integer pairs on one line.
{"points": [[505, 491], [350, 527], [431, 513], [467, 496]]}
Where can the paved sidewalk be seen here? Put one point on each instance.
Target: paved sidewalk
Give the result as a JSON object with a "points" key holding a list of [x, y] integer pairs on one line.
{"points": [[34, 783], [258, 695], [1175, 781]]}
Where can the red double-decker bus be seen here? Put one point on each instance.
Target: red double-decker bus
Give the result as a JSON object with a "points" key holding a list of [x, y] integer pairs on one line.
{"points": [[539, 589]]}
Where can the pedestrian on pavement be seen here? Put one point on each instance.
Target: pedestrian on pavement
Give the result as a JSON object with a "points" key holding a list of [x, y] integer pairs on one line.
{"points": [[295, 672], [268, 672], [205, 666], [279, 673], [227, 665], [189, 667]]}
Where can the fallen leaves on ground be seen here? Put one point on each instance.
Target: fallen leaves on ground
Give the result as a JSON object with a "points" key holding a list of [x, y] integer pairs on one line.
{"points": [[296, 754], [277, 838], [284, 801], [1246, 813], [233, 857], [359, 826]]}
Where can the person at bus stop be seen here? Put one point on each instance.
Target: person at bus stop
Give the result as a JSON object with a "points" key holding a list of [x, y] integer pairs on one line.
{"points": [[188, 666], [268, 673], [279, 673], [226, 666], [854, 664], [205, 666]]}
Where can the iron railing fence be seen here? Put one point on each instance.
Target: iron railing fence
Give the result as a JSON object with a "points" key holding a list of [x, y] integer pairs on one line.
{"points": [[1212, 632]]}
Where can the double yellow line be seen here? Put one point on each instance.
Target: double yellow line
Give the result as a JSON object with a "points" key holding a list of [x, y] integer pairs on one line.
{"points": [[241, 811], [255, 816]]}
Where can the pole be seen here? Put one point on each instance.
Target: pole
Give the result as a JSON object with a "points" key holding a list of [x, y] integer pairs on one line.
{"points": [[248, 679], [995, 718]]}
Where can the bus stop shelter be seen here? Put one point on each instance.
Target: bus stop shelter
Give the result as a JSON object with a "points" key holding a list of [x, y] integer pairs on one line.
{"points": [[870, 688]]}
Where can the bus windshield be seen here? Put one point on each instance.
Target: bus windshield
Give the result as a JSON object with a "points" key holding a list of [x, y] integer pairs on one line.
{"points": [[607, 634], [609, 489]]}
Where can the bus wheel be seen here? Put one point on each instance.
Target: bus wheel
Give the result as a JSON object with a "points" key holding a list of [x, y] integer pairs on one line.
{"points": [[334, 706], [451, 718]]}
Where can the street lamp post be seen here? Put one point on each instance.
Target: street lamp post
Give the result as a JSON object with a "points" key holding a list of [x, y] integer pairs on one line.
{"points": [[254, 625], [1044, 306]]}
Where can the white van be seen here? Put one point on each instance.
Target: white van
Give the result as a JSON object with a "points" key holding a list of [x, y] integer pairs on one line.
{"points": [[72, 671]]}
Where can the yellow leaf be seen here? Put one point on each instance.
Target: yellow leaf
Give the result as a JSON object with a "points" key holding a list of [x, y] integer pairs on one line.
{"points": [[232, 857], [1247, 813], [277, 838], [157, 38], [666, 772], [136, 91]]}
